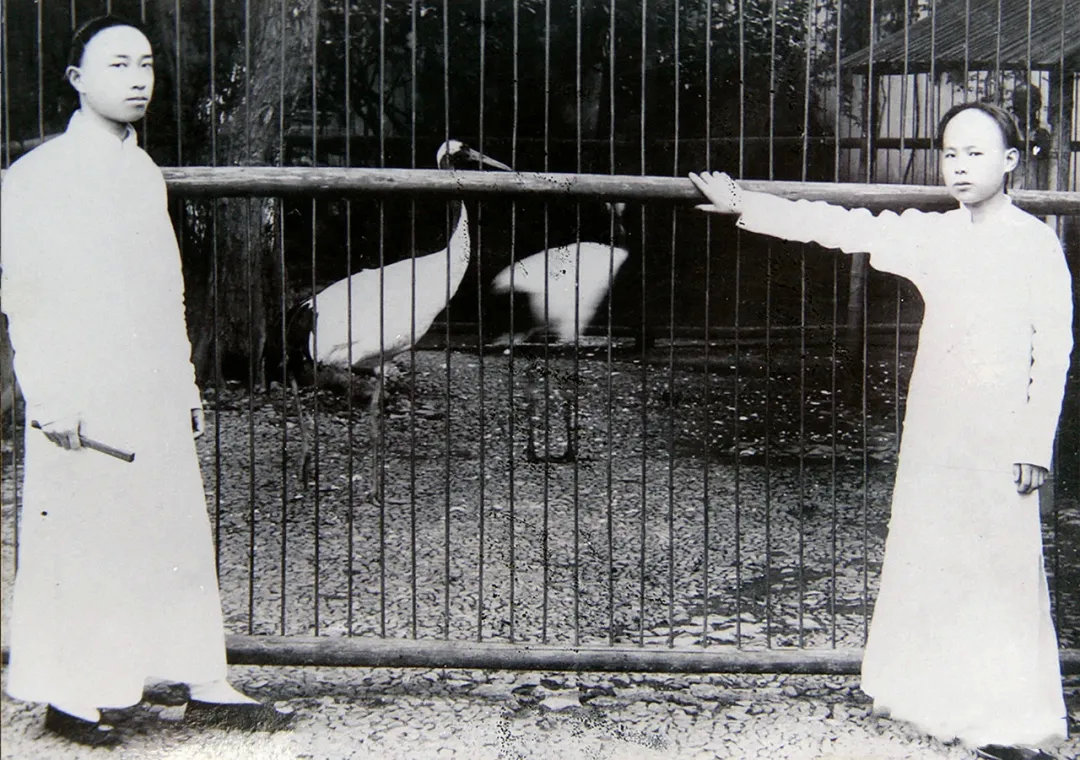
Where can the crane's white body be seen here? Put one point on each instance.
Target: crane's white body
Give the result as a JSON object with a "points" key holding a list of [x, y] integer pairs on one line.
{"points": [[329, 342], [402, 298], [588, 267]]}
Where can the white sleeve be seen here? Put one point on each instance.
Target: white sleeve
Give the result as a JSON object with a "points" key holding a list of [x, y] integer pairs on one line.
{"points": [[176, 318], [39, 290], [1050, 306], [897, 243]]}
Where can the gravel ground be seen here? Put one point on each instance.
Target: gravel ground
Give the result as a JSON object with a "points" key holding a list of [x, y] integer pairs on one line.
{"points": [[481, 715], [657, 534]]}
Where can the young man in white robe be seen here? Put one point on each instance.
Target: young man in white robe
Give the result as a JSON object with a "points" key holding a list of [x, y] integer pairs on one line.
{"points": [[116, 580], [962, 643]]}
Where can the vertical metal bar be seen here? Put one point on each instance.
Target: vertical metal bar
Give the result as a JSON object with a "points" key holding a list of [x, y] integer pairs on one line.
{"points": [[887, 89], [480, 342], [897, 287], [706, 421], [1064, 141], [801, 579], [350, 467], [179, 204], [39, 59], [216, 292], [997, 84], [833, 507], [178, 85], [284, 515], [1027, 110], [916, 114], [865, 339], [967, 44], [768, 338], [510, 458], [610, 356], [577, 333], [932, 93], [447, 376], [547, 385], [870, 113], [252, 512], [671, 344], [145, 119], [5, 102], [5, 81], [317, 504], [413, 16], [380, 445], [933, 89], [736, 431], [644, 341]]}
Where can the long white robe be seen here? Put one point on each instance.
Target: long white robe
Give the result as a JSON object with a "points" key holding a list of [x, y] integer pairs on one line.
{"points": [[961, 642], [116, 578]]}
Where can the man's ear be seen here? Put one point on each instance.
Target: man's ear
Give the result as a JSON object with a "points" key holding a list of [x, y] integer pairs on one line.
{"points": [[74, 77], [1012, 159]]}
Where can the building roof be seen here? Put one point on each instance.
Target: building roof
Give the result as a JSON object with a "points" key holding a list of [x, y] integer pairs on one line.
{"points": [[1010, 34]]}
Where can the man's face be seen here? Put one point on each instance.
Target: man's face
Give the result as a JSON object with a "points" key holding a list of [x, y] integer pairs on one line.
{"points": [[974, 159], [115, 78]]}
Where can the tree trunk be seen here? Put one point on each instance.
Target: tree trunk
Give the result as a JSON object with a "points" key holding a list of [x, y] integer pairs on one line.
{"points": [[9, 386], [235, 287], [594, 57]]}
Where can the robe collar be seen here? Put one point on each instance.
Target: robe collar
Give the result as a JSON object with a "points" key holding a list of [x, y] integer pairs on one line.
{"points": [[999, 212], [92, 133]]}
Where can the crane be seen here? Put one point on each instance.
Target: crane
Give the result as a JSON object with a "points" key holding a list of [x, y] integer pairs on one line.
{"points": [[565, 286], [340, 325]]}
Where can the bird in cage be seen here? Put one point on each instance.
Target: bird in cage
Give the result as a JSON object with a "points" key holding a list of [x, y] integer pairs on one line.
{"points": [[339, 327], [565, 287]]}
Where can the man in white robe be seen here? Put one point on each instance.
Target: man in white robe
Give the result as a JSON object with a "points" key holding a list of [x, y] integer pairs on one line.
{"points": [[962, 643], [116, 579]]}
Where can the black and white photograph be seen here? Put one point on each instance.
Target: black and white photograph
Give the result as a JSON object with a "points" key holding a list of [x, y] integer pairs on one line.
{"points": [[540, 379]]}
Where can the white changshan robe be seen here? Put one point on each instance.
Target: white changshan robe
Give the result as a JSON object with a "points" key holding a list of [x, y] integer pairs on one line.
{"points": [[116, 579], [961, 642]]}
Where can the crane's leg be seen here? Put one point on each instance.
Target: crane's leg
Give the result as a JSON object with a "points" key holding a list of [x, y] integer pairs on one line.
{"points": [[570, 452], [530, 412], [375, 487], [305, 452]]}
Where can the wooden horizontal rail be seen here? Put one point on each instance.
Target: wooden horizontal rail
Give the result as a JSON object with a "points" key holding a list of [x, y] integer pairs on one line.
{"points": [[244, 181], [438, 653], [266, 181]]}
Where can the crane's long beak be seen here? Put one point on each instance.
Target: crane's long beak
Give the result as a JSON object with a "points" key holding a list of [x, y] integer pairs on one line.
{"points": [[480, 158]]}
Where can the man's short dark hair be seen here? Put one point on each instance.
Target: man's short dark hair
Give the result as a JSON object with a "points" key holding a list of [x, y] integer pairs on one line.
{"points": [[1010, 133], [89, 29]]}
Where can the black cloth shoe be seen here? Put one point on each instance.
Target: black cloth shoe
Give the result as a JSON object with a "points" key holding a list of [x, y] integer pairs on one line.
{"points": [[88, 732], [166, 694], [244, 716], [1001, 752]]}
